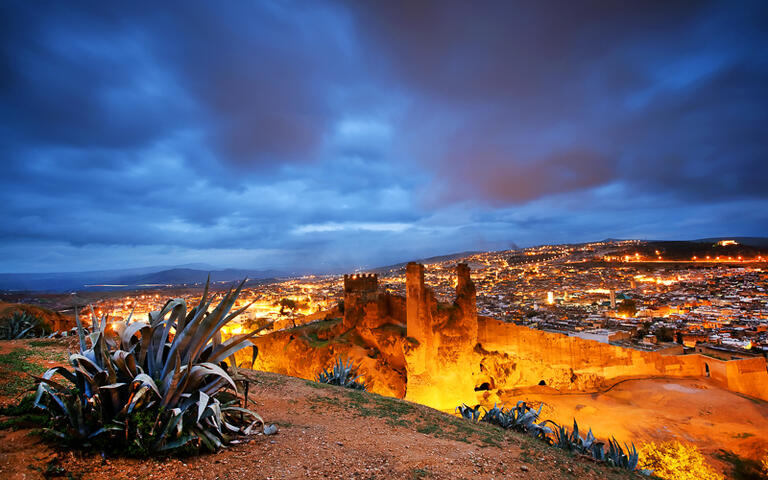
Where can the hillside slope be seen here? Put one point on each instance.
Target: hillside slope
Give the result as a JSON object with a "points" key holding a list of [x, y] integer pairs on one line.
{"points": [[53, 321], [325, 432]]}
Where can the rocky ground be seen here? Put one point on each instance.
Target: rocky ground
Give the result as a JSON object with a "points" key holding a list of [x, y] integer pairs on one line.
{"points": [[324, 432]]}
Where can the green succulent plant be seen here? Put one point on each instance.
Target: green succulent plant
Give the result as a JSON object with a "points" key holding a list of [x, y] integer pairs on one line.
{"points": [[523, 418], [473, 414], [153, 386], [19, 325], [342, 374], [617, 457]]}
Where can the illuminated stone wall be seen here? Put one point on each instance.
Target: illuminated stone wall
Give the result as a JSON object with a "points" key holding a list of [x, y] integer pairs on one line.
{"points": [[442, 355], [748, 376], [515, 356]]}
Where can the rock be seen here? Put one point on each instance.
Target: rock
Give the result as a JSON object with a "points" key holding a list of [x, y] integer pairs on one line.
{"points": [[270, 429], [524, 468]]}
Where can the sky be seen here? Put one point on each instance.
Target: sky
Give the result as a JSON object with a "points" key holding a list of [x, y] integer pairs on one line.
{"points": [[318, 136]]}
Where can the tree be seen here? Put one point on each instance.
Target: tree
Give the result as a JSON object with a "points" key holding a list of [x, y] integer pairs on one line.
{"points": [[674, 460], [665, 334], [644, 330], [627, 307], [288, 303]]}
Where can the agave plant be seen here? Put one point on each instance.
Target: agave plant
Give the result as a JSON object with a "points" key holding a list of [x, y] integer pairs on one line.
{"points": [[153, 386], [521, 418], [573, 442], [19, 325], [473, 414], [524, 418], [617, 457], [342, 374], [497, 416]]}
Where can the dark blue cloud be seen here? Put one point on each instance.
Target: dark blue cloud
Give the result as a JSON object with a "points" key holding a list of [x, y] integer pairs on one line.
{"points": [[338, 134]]}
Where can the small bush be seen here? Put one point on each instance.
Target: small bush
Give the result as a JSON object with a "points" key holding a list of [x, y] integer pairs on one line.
{"points": [[674, 460]]}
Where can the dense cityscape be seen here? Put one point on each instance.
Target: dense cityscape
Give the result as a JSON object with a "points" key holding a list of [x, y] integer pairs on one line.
{"points": [[719, 309]]}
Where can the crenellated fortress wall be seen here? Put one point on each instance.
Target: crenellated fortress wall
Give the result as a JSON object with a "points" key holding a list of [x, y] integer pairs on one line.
{"points": [[443, 355]]}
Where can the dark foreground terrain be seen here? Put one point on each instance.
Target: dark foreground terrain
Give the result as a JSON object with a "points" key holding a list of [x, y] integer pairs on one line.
{"points": [[324, 432]]}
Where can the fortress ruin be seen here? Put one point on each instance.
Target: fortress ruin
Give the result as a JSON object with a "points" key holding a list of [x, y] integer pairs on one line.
{"points": [[444, 354]]}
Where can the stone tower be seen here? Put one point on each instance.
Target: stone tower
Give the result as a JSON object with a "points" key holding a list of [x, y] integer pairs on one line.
{"points": [[439, 350], [359, 290]]}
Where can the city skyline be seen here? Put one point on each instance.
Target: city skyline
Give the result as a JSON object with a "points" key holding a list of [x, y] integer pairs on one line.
{"points": [[333, 135]]}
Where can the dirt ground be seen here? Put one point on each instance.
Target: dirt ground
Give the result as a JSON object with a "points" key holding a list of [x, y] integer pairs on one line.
{"points": [[690, 410], [324, 432]]}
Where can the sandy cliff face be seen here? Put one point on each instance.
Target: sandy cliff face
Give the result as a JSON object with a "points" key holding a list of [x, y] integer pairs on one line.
{"points": [[368, 334]]}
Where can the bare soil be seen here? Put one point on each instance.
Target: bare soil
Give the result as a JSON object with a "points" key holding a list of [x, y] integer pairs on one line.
{"points": [[324, 432]]}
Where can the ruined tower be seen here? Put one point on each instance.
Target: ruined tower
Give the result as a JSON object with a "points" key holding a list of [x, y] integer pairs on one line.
{"points": [[419, 318], [466, 294], [359, 289], [439, 350]]}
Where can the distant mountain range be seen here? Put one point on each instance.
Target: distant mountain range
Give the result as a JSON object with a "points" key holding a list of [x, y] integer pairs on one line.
{"points": [[759, 242], [425, 261], [196, 273], [127, 278]]}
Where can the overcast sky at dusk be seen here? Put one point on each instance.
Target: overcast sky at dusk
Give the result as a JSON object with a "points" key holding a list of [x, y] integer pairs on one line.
{"points": [[314, 135]]}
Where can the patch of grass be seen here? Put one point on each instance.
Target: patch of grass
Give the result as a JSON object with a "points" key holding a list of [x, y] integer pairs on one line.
{"points": [[266, 380], [419, 473], [16, 385], [454, 428], [26, 420], [15, 367], [318, 385], [52, 469], [373, 405], [43, 343], [365, 404], [312, 339], [743, 435], [15, 360], [315, 327], [25, 405], [428, 428], [23, 415]]}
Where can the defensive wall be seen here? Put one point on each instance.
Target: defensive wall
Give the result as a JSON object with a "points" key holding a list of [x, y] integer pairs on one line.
{"points": [[460, 355], [746, 376], [444, 354]]}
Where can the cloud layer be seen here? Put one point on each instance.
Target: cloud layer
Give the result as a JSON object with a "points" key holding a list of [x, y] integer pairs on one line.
{"points": [[335, 135]]}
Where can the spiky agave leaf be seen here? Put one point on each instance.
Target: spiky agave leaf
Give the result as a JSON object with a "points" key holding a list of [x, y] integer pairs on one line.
{"points": [[472, 414], [19, 325], [343, 374], [167, 368]]}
